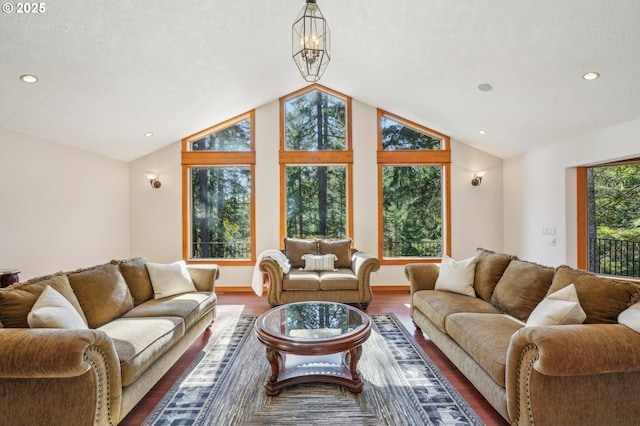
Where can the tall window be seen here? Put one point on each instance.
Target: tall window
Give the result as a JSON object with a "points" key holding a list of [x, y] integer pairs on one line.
{"points": [[218, 183], [315, 164], [413, 171], [609, 218]]}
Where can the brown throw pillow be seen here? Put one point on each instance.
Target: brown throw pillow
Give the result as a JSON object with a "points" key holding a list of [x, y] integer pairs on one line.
{"points": [[522, 286], [602, 299], [102, 293], [17, 300], [341, 248], [295, 248], [489, 269], [136, 275]]}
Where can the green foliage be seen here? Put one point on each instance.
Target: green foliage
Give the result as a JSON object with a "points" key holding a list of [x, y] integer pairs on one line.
{"points": [[236, 137], [398, 137]]}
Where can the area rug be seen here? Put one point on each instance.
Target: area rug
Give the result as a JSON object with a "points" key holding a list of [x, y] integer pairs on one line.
{"points": [[225, 386]]}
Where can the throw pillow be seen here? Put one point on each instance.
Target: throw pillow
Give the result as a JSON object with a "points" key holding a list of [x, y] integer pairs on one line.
{"points": [[323, 262], [102, 292], [137, 278], [489, 268], [17, 300], [521, 288], [171, 279], [631, 317], [559, 308], [52, 310], [456, 276], [602, 299], [341, 248], [295, 248]]}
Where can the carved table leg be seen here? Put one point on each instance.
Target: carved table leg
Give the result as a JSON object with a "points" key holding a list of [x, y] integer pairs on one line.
{"points": [[274, 360], [354, 357]]}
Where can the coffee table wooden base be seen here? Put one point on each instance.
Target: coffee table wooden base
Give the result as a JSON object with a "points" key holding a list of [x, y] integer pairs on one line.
{"points": [[289, 369]]}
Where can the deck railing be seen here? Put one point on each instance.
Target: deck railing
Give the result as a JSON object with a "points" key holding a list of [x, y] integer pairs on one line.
{"points": [[614, 257], [404, 248], [222, 250]]}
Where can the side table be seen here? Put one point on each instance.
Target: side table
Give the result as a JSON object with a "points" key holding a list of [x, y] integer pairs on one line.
{"points": [[8, 277]]}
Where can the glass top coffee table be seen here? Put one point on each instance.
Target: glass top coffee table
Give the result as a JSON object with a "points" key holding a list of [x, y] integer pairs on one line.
{"points": [[313, 342]]}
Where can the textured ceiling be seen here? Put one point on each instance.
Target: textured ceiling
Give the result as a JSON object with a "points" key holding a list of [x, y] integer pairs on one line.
{"points": [[112, 70]]}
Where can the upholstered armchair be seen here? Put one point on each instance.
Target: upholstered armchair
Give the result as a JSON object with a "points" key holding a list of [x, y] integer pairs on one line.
{"points": [[319, 269]]}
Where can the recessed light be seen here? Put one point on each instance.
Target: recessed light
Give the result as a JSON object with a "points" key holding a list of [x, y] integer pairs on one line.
{"points": [[482, 132], [484, 87], [592, 75], [148, 134], [29, 78]]}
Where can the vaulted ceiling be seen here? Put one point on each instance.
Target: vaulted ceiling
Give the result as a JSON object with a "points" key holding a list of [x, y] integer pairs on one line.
{"points": [[110, 71]]}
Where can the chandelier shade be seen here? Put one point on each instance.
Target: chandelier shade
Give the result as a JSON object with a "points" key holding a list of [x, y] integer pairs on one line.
{"points": [[311, 46]]}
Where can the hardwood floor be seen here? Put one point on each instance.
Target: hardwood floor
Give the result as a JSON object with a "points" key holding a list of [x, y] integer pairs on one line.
{"points": [[233, 303]]}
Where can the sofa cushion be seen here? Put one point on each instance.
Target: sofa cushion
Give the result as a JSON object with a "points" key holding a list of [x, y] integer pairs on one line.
{"points": [[53, 310], [486, 338], [188, 306], [319, 262], [301, 280], [139, 342], [170, 279], [341, 248], [136, 275], [602, 299], [522, 286], [342, 279], [102, 292], [437, 305], [295, 248], [17, 300], [457, 276], [559, 308], [489, 268]]}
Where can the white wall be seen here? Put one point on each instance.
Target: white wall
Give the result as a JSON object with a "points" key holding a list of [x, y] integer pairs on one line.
{"points": [[61, 208], [540, 191], [156, 215]]}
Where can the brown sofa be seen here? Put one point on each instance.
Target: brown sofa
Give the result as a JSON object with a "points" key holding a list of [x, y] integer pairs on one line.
{"points": [[347, 282], [127, 339], [568, 374]]}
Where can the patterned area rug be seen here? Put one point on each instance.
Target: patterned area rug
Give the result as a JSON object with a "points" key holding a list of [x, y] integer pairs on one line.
{"points": [[225, 386]]}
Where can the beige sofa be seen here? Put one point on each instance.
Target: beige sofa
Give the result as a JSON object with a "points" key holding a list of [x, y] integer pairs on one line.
{"points": [[348, 281], [95, 374], [568, 374]]}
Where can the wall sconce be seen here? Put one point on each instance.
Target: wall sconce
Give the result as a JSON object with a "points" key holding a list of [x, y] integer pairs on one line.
{"points": [[477, 178], [153, 179]]}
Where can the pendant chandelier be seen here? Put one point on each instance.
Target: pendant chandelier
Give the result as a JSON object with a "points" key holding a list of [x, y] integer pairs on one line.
{"points": [[311, 42]]}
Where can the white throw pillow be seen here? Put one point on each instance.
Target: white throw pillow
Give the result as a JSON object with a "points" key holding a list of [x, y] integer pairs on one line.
{"points": [[170, 279], [559, 308], [316, 262], [457, 276], [53, 310], [631, 317]]}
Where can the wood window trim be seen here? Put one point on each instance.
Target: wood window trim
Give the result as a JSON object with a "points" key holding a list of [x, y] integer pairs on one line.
{"points": [[440, 157], [315, 158], [190, 159], [582, 254]]}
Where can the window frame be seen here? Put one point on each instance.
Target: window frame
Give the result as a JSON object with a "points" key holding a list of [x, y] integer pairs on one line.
{"points": [[582, 234], [315, 158], [191, 159], [441, 157]]}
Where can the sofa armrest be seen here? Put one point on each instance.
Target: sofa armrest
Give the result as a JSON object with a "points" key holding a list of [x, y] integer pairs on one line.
{"points": [[571, 350], [275, 277], [204, 276], [62, 362], [362, 265], [421, 276]]}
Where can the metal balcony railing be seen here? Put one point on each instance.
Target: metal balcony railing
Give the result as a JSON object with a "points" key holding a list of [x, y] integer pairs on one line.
{"points": [[403, 248], [614, 257], [222, 250]]}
